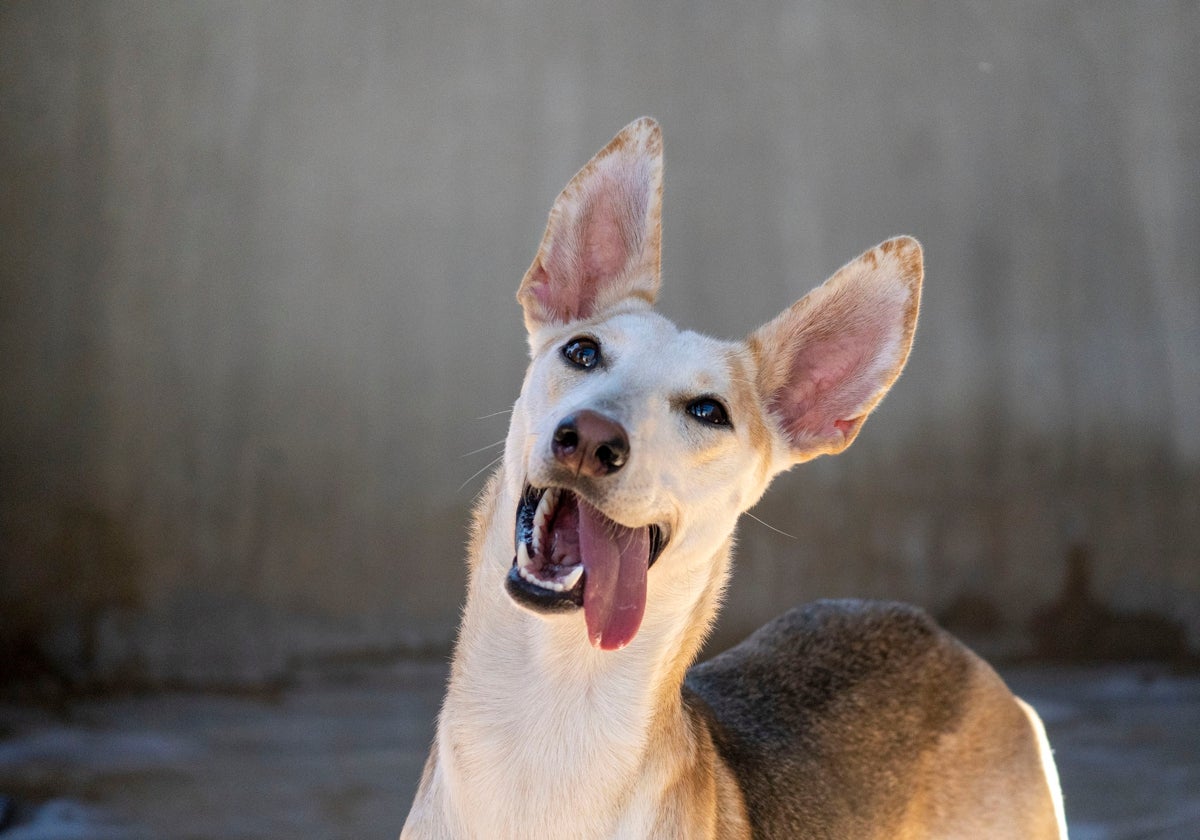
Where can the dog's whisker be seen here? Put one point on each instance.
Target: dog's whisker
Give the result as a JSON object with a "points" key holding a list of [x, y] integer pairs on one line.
{"points": [[495, 414], [492, 445], [482, 470], [772, 527]]}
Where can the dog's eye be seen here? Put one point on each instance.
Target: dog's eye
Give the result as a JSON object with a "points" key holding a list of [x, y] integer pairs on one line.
{"points": [[709, 410], [582, 352]]}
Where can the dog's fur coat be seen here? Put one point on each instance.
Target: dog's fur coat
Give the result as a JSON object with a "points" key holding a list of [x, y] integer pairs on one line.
{"points": [[633, 449]]}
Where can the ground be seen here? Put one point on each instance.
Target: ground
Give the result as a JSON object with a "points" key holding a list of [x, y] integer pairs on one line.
{"points": [[338, 755]]}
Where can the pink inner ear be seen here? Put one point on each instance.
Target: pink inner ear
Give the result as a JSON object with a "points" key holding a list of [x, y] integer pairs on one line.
{"points": [[612, 227], [595, 239], [831, 381], [826, 361], [568, 299]]}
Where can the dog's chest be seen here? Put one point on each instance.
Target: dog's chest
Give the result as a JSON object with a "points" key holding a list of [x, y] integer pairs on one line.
{"points": [[538, 757]]}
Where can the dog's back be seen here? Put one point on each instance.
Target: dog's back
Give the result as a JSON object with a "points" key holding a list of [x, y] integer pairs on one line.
{"points": [[864, 719]]}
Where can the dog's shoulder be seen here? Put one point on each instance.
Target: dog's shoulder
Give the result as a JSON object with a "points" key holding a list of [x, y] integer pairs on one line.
{"points": [[818, 712]]}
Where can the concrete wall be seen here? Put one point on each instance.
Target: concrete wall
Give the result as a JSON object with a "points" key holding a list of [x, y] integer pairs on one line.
{"points": [[258, 260]]}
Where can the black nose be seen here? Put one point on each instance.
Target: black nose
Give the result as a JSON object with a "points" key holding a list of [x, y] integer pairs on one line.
{"points": [[590, 444]]}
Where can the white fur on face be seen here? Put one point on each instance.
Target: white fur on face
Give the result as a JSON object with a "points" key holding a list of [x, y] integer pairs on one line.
{"points": [[681, 472]]}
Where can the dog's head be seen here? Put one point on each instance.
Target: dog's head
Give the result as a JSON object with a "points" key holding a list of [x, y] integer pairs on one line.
{"points": [[637, 443]]}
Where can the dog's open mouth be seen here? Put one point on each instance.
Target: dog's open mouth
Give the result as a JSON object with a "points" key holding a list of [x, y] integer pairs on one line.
{"points": [[570, 555]]}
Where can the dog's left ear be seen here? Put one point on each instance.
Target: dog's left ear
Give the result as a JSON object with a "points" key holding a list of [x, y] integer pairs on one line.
{"points": [[826, 362], [602, 242]]}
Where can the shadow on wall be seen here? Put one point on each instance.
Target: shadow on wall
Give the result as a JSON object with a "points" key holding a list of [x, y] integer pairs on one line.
{"points": [[1079, 628], [1076, 626]]}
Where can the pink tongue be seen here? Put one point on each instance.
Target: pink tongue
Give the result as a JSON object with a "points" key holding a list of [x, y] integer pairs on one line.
{"points": [[615, 559]]}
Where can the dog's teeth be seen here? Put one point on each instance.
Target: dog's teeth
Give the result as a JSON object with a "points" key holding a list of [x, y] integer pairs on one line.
{"points": [[572, 578], [545, 505], [539, 519], [523, 561], [552, 585]]}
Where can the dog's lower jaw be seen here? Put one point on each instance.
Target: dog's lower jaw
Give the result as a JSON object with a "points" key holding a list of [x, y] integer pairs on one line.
{"points": [[542, 734]]}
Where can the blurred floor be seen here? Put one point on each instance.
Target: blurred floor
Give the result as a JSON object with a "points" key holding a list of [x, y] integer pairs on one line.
{"points": [[338, 756]]}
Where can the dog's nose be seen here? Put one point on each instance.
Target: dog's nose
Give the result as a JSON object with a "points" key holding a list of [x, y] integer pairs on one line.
{"points": [[591, 444]]}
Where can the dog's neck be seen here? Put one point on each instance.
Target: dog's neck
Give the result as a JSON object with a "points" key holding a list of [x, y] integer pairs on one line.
{"points": [[541, 729]]}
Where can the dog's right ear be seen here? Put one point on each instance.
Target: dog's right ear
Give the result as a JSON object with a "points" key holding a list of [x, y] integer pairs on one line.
{"points": [[826, 362], [603, 240]]}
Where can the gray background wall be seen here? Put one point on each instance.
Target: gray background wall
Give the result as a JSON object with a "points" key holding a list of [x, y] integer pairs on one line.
{"points": [[258, 261]]}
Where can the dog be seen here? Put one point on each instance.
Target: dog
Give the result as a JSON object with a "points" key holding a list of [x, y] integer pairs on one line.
{"points": [[601, 548]]}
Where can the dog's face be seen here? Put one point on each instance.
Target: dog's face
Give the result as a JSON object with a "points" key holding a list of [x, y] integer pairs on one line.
{"points": [[646, 436], [636, 443]]}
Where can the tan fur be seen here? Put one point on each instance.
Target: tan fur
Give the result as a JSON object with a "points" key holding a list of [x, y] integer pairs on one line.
{"points": [[745, 392], [976, 761], [851, 720]]}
